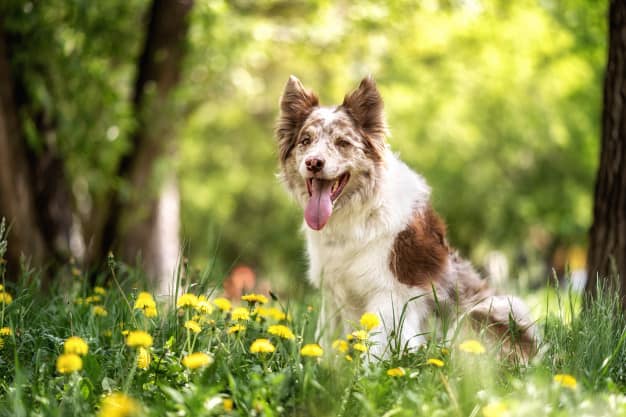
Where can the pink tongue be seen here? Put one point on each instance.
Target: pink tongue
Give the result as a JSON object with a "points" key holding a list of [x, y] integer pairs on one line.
{"points": [[319, 208]]}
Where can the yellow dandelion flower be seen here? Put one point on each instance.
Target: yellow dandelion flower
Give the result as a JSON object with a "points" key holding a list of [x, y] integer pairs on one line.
{"points": [[139, 338], [348, 358], [187, 300], [1, 287], [75, 345], [369, 321], [204, 320], [278, 314], [341, 345], [360, 347], [93, 299], [359, 335], [565, 380], [435, 362], [118, 405], [150, 312], [255, 298], [197, 360], [227, 404], [222, 303], [312, 350], [445, 351], [262, 346], [125, 332], [193, 326], [5, 298], [472, 346], [100, 311], [240, 314], [144, 301], [146, 295], [270, 313], [107, 333], [494, 410], [6, 331], [204, 306], [68, 363], [99, 290], [281, 331], [236, 329], [396, 372], [143, 358]]}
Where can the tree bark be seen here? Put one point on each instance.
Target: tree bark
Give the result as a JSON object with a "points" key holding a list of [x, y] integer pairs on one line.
{"points": [[607, 238], [144, 213], [17, 201]]}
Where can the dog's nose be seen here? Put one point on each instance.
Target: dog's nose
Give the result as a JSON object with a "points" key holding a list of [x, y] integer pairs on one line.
{"points": [[314, 164]]}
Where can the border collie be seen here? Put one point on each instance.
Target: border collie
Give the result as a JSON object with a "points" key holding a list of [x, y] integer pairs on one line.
{"points": [[374, 242]]}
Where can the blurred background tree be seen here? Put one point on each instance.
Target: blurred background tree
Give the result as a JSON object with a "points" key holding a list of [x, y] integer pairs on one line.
{"points": [[496, 102]]}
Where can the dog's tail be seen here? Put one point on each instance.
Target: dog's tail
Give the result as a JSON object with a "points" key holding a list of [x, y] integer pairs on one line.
{"points": [[506, 318]]}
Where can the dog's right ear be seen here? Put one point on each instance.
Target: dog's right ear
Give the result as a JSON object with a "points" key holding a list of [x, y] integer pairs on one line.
{"points": [[296, 104]]}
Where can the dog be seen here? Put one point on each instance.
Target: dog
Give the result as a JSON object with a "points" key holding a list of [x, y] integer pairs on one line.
{"points": [[374, 242]]}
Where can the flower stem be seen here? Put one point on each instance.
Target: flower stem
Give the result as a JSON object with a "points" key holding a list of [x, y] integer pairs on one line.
{"points": [[349, 388], [131, 375]]}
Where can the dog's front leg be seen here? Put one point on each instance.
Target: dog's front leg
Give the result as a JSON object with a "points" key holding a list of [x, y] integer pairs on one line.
{"points": [[400, 329]]}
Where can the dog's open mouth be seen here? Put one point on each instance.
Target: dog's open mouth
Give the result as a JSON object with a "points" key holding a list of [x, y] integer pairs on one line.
{"points": [[322, 195]]}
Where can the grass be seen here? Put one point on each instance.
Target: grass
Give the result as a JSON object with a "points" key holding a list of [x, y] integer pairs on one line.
{"points": [[588, 345]]}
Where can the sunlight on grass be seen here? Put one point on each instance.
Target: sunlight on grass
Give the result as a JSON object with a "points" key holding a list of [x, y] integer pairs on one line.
{"points": [[548, 301], [208, 356]]}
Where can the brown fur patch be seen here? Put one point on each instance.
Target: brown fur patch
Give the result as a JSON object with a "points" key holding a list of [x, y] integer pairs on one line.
{"points": [[296, 104], [420, 251]]}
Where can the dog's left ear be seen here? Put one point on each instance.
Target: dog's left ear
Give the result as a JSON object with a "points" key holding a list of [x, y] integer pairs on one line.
{"points": [[365, 106]]}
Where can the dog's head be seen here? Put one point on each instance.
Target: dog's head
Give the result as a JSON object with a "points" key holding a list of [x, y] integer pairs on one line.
{"points": [[330, 156]]}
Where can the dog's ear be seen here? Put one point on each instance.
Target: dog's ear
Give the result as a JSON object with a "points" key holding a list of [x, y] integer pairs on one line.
{"points": [[296, 104], [365, 106]]}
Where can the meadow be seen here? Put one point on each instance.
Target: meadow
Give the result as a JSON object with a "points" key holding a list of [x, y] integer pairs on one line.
{"points": [[114, 350]]}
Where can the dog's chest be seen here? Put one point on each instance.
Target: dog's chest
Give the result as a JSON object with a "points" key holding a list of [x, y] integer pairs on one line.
{"points": [[352, 272]]}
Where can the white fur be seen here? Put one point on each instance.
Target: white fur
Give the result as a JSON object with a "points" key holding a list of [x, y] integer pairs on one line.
{"points": [[349, 258]]}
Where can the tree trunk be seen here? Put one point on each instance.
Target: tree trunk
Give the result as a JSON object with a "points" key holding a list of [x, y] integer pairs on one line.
{"points": [[607, 239], [35, 189], [144, 217], [16, 183]]}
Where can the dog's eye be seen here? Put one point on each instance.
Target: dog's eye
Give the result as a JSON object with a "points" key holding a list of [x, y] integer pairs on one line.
{"points": [[305, 140], [342, 143]]}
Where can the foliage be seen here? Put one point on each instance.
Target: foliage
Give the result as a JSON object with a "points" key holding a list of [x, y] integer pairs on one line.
{"points": [[241, 367], [74, 61], [495, 102]]}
